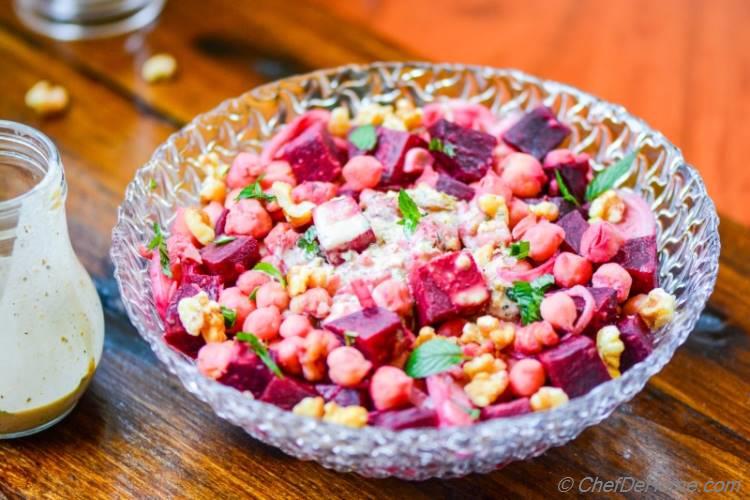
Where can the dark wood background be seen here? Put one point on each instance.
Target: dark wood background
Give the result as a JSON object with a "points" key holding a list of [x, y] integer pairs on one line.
{"points": [[682, 65]]}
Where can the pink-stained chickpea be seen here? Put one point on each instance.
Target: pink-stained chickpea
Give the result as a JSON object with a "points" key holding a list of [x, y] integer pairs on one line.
{"points": [[288, 354], [544, 239], [614, 276], [362, 172], [248, 217], [491, 183], [559, 310], [231, 199], [295, 325], [393, 295], [214, 211], [571, 270], [233, 298], [523, 174], [281, 237], [245, 168], [519, 210], [264, 322], [452, 328], [526, 377], [391, 388], [280, 171], [347, 366], [601, 242], [317, 192], [250, 280], [634, 304], [519, 230], [531, 338], [272, 294], [317, 345], [315, 302], [416, 160]]}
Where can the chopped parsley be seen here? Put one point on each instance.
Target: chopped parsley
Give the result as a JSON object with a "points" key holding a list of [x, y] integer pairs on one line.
{"points": [[529, 296], [446, 148], [224, 240], [520, 249], [261, 350], [230, 316], [160, 242], [254, 191], [309, 241], [410, 214]]}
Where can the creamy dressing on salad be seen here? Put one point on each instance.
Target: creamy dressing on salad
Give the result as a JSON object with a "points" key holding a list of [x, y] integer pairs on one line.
{"points": [[52, 330]]}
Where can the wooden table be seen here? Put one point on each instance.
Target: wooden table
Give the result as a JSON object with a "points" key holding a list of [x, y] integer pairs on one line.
{"points": [[137, 433]]}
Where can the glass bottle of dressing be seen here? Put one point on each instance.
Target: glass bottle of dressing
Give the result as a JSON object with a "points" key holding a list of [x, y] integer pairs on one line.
{"points": [[51, 321]]}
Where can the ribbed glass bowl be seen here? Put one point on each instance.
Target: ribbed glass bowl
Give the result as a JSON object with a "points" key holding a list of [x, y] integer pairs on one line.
{"points": [[688, 243]]}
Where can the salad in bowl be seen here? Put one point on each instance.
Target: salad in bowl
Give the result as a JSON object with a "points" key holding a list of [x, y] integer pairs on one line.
{"points": [[379, 268]]}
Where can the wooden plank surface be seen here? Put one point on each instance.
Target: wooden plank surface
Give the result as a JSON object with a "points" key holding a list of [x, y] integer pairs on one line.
{"points": [[137, 433]]}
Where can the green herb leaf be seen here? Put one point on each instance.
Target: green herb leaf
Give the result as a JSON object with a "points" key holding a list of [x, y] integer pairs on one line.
{"points": [[529, 296], [606, 179], [434, 356], [261, 350], [152, 185], [230, 316], [223, 240], [254, 191], [446, 148], [270, 270], [254, 293], [364, 138], [350, 337], [567, 195], [309, 241], [160, 242], [474, 413], [520, 249], [409, 212]]}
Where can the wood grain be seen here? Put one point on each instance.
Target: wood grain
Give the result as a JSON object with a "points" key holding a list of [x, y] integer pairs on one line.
{"points": [[137, 433]]}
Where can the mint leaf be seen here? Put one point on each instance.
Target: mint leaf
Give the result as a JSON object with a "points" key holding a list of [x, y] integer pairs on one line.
{"points": [[223, 240], [160, 242], [261, 351], [529, 296], [309, 241], [520, 249], [230, 316], [270, 270], [566, 194], [364, 138], [606, 179], [434, 356], [409, 212], [446, 148], [254, 191]]}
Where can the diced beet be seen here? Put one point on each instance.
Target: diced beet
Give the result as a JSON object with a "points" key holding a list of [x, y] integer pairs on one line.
{"points": [[447, 286], [234, 364], [574, 170], [537, 132], [574, 226], [574, 365], [287, 392], [605, 308], [232, 259], [638, 257], [410, 418], [391, 151], [221, 222], [472, 151], [509, 409], [174, 333], [343, 396], [192, 275], [376, 331], [184, 342], [449, 185], [636, 336], [313, 155], [341, 227]]}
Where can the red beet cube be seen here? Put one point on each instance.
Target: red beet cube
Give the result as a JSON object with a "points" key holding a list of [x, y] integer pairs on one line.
{"points": [[638, 257], [574, 226], [342, 227], [574, 171], [343, 396], [637, 339], [287, 392], [221, 222], [509, 409], [313, 155], [451, 186], [174, 333], [376, 330], [449, 285], [192, 275], [234, 364], [537, 132], [574, 365], [230, 260], [471, 154], [605, 308], [391, 150], [410, 418]]}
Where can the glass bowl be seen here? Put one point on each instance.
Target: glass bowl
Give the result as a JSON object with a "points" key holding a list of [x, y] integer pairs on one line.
{"points": [[688, 242]]}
